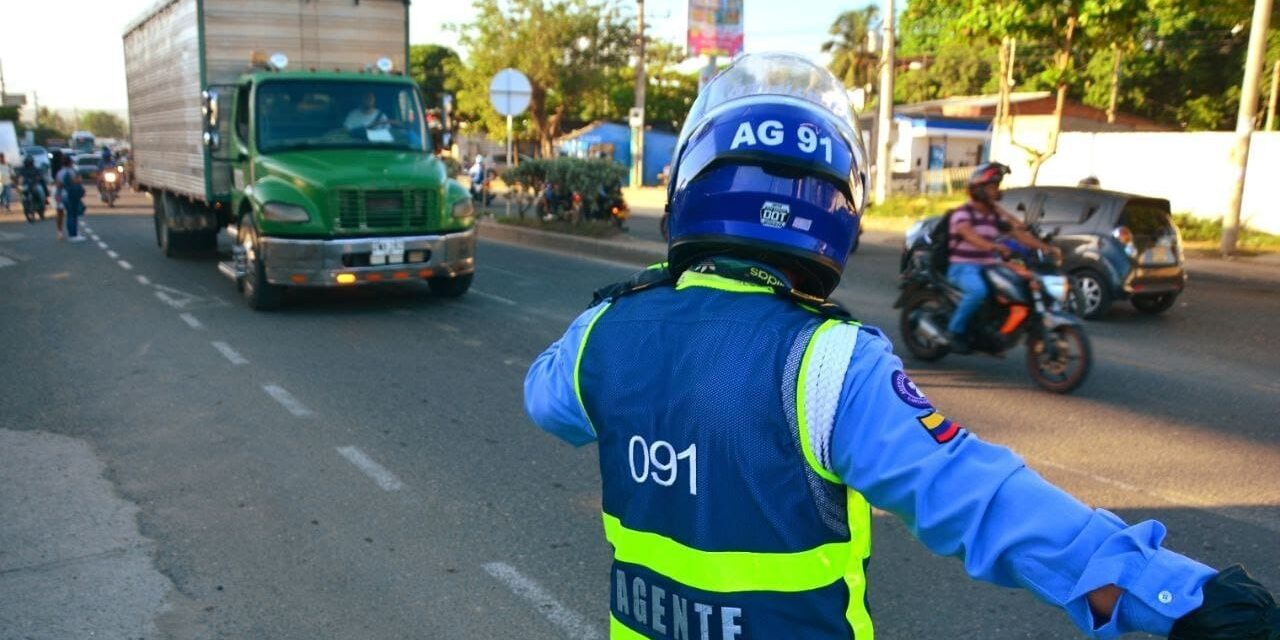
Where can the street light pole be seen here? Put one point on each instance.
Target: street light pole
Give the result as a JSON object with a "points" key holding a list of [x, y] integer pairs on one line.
{"points": [[637, 116], [884, 125], [1244, 121]]}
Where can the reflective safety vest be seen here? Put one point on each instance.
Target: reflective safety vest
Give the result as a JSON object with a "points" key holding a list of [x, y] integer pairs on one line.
{"points": [[713, 403]]}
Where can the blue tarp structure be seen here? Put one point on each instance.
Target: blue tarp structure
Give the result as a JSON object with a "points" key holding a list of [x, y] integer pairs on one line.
{"points": [[613, 140]]}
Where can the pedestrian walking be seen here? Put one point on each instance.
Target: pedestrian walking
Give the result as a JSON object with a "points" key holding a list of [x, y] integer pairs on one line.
{"points": [[746, 424], [6, 180], [72, 189]]}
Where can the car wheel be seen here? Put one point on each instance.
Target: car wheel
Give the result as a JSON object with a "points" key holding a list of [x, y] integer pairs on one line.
{"points": [[1154, 304], [1094, 298]]}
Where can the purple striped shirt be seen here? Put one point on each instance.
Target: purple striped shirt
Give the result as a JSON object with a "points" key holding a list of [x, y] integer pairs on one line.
{"points": [[989, 226]]}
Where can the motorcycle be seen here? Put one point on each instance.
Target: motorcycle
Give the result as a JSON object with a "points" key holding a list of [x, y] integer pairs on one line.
{"points": [[610, 205], [109, 184], [33, 201], [1035, 306]]}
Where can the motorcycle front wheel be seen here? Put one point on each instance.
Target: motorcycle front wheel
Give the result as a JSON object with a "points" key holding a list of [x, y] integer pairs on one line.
{"points": [[1061, 360]]}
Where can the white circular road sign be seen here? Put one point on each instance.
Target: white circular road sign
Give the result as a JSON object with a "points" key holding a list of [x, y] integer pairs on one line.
{"points": [[509, 92]]}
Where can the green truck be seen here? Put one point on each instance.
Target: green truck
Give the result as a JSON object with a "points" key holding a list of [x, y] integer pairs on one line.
{"points": [[292, 126]]}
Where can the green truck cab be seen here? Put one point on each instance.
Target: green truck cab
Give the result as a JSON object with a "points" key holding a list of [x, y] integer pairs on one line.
{"points": [[316, 160], [333, 182]]}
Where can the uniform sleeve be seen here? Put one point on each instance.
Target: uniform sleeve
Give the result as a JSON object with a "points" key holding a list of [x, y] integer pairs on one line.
{"points": [[550, 392], [979, 502]]}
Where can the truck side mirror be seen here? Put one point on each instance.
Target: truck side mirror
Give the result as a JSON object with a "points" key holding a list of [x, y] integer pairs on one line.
{"points": [[209, 109]]}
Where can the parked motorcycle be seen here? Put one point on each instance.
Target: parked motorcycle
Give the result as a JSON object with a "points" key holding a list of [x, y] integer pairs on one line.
{"points": [[1035, 308], [109, 183]]}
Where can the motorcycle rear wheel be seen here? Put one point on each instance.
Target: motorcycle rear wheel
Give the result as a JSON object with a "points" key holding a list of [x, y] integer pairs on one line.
{"points": [[1061, 361]]}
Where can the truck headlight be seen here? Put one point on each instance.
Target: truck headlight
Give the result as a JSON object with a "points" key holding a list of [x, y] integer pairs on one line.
{"points": [[463, 210], [282, 212]]}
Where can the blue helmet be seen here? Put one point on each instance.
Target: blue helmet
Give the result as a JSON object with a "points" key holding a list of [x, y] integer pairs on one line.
{"points": [[769, 164]]}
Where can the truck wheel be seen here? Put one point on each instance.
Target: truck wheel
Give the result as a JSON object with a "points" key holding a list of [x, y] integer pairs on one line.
{"points": [[450, 287], [172, 243], [258, 293]]}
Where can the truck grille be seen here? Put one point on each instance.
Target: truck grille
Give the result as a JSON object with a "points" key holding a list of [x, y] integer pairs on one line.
{"points": [[360, 210]]}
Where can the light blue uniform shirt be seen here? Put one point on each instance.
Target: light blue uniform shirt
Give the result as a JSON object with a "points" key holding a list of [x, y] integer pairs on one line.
{"points": [[958, 495]]}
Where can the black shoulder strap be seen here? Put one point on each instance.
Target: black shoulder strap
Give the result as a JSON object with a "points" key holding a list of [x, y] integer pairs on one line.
{"points": [[659, 276]]}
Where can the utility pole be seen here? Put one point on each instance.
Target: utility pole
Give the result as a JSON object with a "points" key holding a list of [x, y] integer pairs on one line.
{"points": [[1271, 103], [637, 113], [884, 124], [1244, 121]]}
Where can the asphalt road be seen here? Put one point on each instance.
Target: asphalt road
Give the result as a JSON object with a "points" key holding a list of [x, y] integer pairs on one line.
{"points": [[358, 465]]}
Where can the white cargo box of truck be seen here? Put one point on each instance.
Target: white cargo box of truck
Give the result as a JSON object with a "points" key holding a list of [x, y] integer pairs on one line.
{"points": [[181, 48]]}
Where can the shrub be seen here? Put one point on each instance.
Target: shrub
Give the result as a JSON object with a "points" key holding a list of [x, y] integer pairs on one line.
{"points": [[452, 168], [570, 174]]}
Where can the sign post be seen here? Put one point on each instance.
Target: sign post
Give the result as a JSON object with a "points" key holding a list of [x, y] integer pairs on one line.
{"points": [[509, 93]]}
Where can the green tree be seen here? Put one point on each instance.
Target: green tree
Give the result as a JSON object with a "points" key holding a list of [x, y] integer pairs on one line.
{"points": [[668, 92], [957, 69], [567, 49], [850, 59], [435, 68], [104, 124]]}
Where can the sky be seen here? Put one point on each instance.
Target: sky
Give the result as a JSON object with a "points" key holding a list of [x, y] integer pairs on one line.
{"points": [[87, 72]]}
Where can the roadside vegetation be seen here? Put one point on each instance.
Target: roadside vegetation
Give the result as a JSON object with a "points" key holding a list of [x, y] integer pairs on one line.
{"points": [[1202, 234]]}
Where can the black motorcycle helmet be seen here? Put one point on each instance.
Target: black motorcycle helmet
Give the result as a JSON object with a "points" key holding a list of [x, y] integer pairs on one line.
{"points": [[986, 173]]}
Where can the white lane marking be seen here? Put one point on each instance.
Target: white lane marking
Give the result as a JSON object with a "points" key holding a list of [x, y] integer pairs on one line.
{"points": [[164, 297], [385, 479], [142, 280], [1170, 497], [287, 400], [573, 624], [124, 265], [229, 353], [102, 245], [447, 327], [112, 254], [191, 321], [490, 296], [6, 262]]}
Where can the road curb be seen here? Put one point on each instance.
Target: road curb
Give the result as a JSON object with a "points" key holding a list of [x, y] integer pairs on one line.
{"points": [[639, 253]]}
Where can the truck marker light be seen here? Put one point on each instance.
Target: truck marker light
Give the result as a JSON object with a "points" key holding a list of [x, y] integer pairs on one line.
{"points": [[346, 278], [298, 278], [400, 275], [425, 273], [374, 277]]}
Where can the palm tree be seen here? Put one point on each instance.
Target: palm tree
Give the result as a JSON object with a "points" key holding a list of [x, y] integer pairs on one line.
{"points": [[850, 60]]}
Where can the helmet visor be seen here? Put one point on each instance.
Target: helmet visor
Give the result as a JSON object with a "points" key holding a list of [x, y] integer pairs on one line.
{"points": [[779, 74]]}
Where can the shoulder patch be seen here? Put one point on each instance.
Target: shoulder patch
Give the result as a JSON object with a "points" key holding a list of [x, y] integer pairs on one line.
{"points": [[940, 428], [908, 392]]}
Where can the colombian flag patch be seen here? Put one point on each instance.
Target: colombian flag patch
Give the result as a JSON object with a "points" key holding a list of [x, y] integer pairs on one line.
{"points": [[940, 428]]}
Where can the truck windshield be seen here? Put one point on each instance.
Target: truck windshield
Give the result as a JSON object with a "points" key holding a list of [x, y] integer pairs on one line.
{"points": [[338, 114]]}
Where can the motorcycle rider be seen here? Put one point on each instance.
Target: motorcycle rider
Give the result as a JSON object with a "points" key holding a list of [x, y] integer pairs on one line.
{"points": [[746, 423], [32, 178], [975, 227]]}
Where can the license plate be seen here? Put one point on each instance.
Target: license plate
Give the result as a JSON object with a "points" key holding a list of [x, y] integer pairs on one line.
{"points": [[387, 252], [1157, 255]]}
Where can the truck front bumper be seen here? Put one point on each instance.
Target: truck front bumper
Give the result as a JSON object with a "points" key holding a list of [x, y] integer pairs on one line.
{"points": [[346, 262]]}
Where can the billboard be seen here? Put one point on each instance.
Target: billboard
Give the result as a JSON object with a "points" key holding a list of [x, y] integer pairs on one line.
{"points": [[715, 27]]}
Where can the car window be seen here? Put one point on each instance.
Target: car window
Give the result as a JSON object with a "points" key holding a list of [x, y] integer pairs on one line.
{"points": [[1146, 217], [1066, 209]]}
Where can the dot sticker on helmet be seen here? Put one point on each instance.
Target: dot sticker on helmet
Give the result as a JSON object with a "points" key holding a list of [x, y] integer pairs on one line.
{"points": [[775, 214]]}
